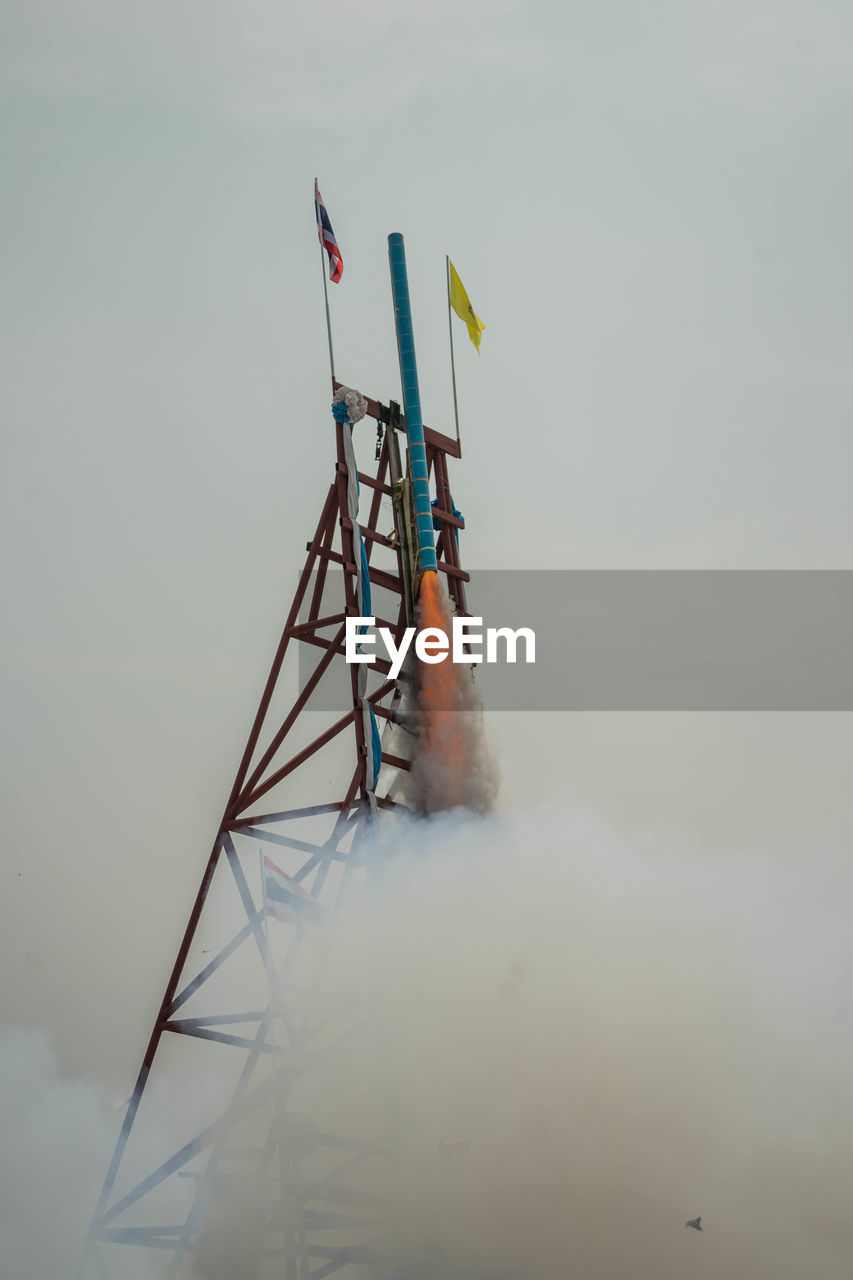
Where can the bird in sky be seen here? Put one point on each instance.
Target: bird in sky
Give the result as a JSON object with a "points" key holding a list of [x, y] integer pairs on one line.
{"points": [[696, 1223]]}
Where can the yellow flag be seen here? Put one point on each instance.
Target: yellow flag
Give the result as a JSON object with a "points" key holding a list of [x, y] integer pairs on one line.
{"points": [[461, 304]]}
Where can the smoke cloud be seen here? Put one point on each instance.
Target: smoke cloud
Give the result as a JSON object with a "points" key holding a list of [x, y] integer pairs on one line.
{"points": [[598, 1038], [57, 1137], [587, 1039]]}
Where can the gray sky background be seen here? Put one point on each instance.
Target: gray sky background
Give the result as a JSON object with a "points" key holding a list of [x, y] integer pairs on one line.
{"points": [[650, 207]]}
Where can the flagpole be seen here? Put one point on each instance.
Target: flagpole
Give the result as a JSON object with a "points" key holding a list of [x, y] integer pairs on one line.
{"points": [[326, 296], [452, 357]]}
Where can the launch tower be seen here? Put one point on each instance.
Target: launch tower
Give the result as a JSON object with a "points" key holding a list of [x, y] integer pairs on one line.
{"points": [[260, 1170]]}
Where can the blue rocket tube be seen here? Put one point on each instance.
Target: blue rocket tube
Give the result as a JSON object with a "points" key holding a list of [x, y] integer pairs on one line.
{"points": [[412, 402]]}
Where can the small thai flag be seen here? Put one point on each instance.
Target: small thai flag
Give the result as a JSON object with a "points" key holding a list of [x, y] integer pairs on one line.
{"points": [[286, 900], [327, 237]]}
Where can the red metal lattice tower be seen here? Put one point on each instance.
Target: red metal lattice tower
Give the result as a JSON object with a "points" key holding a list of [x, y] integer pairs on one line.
{"points": [[304, 1191]]}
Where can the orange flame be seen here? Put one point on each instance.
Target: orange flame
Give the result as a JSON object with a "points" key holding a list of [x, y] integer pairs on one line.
{"points": [[445, 740]]}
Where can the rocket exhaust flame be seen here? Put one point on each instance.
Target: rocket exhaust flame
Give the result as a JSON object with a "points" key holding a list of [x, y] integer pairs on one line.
{"points": [[443, 741], [451, 769]]}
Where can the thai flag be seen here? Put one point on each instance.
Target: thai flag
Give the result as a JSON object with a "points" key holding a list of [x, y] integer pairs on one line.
{"points": [[286, 900], [327, 237]]}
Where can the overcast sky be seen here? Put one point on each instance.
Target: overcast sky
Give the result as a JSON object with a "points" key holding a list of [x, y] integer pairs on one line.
{"points": [[650, 207]]}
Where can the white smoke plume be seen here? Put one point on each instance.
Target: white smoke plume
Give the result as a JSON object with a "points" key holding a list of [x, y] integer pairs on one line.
{"points": [[57, 1137], [599, 1038], [590, 1039]]}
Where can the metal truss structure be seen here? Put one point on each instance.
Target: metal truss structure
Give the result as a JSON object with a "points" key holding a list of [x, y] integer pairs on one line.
{"points": [[258, 1168]]}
